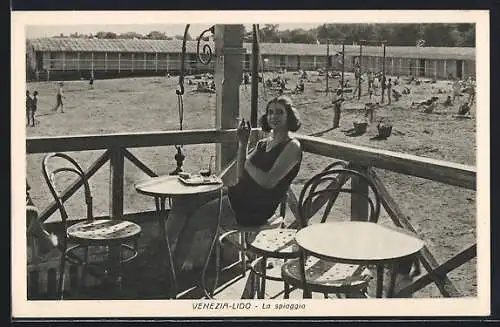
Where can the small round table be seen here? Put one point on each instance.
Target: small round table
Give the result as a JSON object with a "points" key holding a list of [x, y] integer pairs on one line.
{"points": [[169, 186], [356, 242]]}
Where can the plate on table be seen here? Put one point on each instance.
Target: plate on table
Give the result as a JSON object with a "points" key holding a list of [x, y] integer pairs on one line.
{"points": [[190, 179]]}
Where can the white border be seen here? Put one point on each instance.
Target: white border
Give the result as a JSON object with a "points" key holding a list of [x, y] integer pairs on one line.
{"points": [[183, 308]]}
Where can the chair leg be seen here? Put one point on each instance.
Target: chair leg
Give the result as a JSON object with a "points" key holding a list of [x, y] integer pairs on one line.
{"points": [[136, 245], [286, 288], [218, 254], [380, 281], [253, 285], [62, 268], [243, 242], [120, 268], [307, 294], [392, 282], [286, 294]]}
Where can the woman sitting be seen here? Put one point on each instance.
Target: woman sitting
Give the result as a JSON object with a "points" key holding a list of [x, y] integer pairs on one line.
{"points": [[264, 176]]}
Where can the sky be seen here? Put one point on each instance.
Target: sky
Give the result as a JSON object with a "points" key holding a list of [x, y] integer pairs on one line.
{"points": [[33, 31]]}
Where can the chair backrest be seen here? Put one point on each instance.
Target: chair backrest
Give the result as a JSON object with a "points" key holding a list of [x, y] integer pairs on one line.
{"points": [[325, 187], [50, 178]]}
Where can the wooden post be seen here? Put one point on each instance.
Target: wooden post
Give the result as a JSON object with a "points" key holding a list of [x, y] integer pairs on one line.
{"points": [[63, 54], [78, 61], [119, 55], [116, 170], [145, 61], [359, 205], [435, 69], [133, 61], [445, 72], [105, 61], [156, 61], [228, 73], [92, 61]]}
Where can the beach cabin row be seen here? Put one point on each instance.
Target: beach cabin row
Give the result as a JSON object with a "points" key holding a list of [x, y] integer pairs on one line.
{"points": [[69, 58]]}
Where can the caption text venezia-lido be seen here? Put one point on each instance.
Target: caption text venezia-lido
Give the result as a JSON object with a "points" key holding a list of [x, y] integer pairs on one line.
{"points": [[247, 305]]}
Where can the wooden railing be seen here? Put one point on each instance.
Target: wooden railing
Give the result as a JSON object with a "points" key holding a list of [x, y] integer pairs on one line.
{"points": [[361, 158]]}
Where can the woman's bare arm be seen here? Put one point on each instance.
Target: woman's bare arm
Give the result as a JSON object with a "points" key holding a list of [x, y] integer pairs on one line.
{"points": [[241, 158]]}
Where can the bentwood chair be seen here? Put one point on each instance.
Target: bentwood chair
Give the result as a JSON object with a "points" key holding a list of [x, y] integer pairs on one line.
{"points": [[271, 241], [91, 233], [241, 242], [317, 275]]}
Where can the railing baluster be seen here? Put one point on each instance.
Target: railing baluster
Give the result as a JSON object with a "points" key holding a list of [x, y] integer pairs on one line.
{"points": [[439, 273], [116, 169], [138, 163]]}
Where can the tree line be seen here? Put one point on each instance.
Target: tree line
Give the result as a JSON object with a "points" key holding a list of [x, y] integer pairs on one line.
{"points": [[154, 35], [431, 35]]}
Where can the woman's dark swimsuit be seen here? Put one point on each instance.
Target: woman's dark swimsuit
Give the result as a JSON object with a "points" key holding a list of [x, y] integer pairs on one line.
{"points": [[253, 204]]}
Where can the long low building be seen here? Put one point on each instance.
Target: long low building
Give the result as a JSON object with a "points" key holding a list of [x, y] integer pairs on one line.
{"points": [[68, 58]]}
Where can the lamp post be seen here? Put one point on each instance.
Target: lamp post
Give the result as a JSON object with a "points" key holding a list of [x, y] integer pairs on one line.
{"points": [[383, 72], [327, 63], [359, 66]]}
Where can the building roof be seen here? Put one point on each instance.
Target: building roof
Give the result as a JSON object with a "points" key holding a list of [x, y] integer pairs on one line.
{"points": [[287, 49]]}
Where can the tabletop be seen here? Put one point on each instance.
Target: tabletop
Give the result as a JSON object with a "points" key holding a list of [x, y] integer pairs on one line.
{"points": [[171, 186], [357, 242]]}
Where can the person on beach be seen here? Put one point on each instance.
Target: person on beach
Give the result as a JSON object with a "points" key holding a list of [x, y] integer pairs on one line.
{"points": [[389, 90], [28, 107], [384, 85], [91, 81], [264, 175], [337, 103], [33, 108], [59, 97], [456, 89]]}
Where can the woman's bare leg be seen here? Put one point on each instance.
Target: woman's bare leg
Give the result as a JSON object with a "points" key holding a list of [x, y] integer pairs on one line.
{"points": [[192, 251]]}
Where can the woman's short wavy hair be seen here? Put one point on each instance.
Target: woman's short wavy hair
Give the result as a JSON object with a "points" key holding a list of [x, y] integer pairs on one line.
{"points": [[293, 118]]}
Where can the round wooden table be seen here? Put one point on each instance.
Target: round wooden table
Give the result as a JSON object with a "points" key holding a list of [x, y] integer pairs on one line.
{"points": [[169, 186], [355, 242]]}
